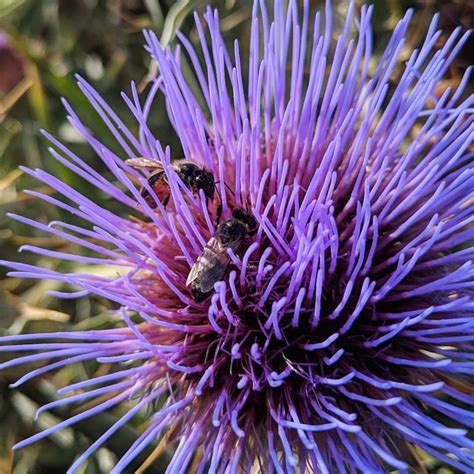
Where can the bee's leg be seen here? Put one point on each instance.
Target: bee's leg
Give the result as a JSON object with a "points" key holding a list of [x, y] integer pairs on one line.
{"points": [[218, 214], [229, 189], [219, 209]]}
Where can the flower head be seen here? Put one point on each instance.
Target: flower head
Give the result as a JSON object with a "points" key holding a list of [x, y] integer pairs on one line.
{"points": [[340, 332]]}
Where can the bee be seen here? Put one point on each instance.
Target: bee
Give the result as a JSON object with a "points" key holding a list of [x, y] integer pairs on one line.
{"points": [[193, 176], [211, 265]]}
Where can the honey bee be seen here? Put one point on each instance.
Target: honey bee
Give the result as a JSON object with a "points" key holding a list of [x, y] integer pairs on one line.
{"points": [[211, 265], [193, 176]]}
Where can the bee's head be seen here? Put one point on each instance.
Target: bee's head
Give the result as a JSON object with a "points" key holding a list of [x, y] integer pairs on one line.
{"points": [[247, 219], [238, 214], [204, 180]]}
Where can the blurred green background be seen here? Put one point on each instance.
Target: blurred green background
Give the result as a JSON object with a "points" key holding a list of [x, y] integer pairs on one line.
{"points": [[42, 44]]}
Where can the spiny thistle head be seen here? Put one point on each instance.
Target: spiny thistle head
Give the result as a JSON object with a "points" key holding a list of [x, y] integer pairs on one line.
{"points": [[337, 334]]}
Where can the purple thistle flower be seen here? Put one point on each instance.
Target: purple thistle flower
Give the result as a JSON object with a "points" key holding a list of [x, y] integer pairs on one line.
{"points": [[342, 331]]}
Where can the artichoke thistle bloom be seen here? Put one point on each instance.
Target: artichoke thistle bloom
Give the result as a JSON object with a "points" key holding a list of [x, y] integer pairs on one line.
{"points": [[341, 334]]}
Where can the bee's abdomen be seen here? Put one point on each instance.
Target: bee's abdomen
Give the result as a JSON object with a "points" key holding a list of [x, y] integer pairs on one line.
{"points": [[160, 187]]}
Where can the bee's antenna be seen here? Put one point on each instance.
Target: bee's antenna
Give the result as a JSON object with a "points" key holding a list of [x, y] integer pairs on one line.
{"points": [[219, 209], [227, 186]]}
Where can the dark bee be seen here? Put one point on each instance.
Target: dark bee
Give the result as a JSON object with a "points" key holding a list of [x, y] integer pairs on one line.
{"points": [[211, 265], [193, 176]]}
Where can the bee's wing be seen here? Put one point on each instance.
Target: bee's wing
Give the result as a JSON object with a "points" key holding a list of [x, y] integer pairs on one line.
{"points": [[181, 161], [144, 163], [209, 267]]}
